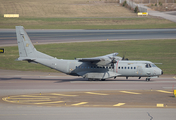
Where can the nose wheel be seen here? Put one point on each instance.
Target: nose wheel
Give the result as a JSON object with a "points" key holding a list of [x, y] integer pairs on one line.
{"points": [[147, 79]]}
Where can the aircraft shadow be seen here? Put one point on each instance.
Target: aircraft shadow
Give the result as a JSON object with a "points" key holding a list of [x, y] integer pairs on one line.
{"points": [[71, 80]]}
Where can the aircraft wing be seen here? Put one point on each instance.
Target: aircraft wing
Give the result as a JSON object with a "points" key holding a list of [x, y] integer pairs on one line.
{"points": [[102, 60], [89, 59]]}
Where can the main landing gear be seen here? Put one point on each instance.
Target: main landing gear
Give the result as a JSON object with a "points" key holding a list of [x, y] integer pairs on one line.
{"points": [[90, 79], [147, 79]]}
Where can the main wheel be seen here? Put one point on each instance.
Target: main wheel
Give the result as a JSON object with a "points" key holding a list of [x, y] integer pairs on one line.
{"points": [[89, 79], [102, 79], [147, 79]]}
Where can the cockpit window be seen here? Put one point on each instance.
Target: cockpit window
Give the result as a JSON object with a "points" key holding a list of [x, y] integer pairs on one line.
{"points": [[153, 65], [150, 65], [147, 65]]}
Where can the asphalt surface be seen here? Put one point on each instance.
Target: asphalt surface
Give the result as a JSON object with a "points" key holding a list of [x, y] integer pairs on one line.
{"points": [[167, 16], [38, 95], [8, 37], [170, 15], [171, 12]]}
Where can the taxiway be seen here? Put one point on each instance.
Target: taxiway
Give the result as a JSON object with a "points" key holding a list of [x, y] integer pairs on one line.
{"points": [[37, 95], [8, 37]]}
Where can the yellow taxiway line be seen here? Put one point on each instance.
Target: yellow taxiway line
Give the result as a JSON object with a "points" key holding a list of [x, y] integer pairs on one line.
{"points": [[130, 92], [119, 104], [81, 103], [164, 91], [26, 98], [64, 95], [96, 93], [48, 102]]}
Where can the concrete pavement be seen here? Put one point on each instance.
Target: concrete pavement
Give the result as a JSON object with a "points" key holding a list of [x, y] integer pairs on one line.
{"points": [[165, 15], [162, 15]]}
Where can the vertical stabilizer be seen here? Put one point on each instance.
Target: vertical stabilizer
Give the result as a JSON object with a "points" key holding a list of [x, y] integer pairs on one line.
{"points": [[25, 46]]}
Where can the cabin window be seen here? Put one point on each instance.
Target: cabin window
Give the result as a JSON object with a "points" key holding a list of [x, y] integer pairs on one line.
{"points": [[125, 67], [119, 67], [134, 67], [128, 67], [122, 67], [109, 67], [131, 67]]}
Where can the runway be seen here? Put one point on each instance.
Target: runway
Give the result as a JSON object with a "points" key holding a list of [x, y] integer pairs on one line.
{"points": [[8, 37], [37, 95]]}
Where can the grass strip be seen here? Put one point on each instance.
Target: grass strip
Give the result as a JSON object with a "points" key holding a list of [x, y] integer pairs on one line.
{"points": [[87, 23], [157, 51]]}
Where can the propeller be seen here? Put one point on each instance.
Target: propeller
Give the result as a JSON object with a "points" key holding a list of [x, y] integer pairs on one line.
{"points": [[113, 60]]}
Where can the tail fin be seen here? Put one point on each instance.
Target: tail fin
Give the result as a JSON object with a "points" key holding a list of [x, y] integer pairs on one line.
{"points": [[26, 49]]}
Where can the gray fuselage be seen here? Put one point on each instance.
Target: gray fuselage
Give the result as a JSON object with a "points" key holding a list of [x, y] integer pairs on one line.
{"points": [[123, 68]]}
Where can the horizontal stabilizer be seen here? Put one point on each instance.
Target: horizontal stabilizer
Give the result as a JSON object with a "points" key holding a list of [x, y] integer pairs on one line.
{"points": [[25, 59]]}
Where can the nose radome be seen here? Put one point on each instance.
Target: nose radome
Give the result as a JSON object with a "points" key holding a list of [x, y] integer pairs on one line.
{"points": [[161, 72]]}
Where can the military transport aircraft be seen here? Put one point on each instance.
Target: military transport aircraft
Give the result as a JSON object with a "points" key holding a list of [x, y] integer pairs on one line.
{"points": [[102, 67]]}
